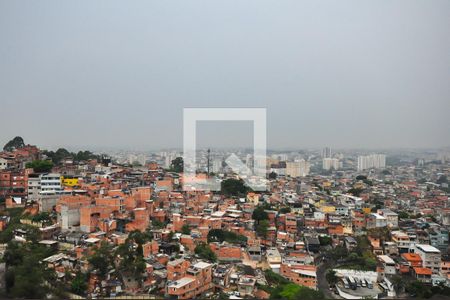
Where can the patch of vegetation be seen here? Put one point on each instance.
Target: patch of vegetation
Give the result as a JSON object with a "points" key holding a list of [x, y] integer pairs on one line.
{"points": [[420, 290], [403, 215], [177, 165], [281, 288], [284, 210], [331, 277], [40, 166], [15, 214], [79, 284], [259, 214], [355, 192], [186, 229], [15, 143], [361, 258], [158, 224], [204, 251], [274, 278], [43, 217], [26, 276], [325, 240], [234, 187], [132, 264], [60, 154], [219, 235], [262, 228], [101, 259]]}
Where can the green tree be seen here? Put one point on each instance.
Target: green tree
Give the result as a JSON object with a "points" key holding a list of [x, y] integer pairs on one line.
{"points": [[361, 177], [29, 281], [170, 236], [262, 228], [419, 289], [185, 229], [101, 259], [382, 233], [40, 166], [338, 253], [84, 156], [259, 214], [331, 277], [157, 224], [324, 240], [132, 263], [219, 235], [234, 187], [403, 215], [43, 217], [15, 143], [177, 165], [139, 237], [398, 282], [204, 251], [79, 284], [284, 210], [26, 276]]}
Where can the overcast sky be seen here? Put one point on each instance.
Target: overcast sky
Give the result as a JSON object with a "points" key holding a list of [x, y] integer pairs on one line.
{"points": [[119, 73]]}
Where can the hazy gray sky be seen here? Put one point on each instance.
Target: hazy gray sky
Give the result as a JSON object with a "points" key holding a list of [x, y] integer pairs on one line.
{"points": [[118, 73]]}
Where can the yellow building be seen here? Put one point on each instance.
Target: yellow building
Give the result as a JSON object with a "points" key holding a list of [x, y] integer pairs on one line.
{"points": [[69, 181], [366, 209], [326, 184], [327, 208], [253, 198]]}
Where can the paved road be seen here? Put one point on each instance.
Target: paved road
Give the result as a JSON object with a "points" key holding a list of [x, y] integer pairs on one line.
{"points": [[322, 283]]}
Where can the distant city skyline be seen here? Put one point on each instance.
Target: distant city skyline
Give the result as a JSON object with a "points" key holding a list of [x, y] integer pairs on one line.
{"points": [[99, 148], [344, 74]]}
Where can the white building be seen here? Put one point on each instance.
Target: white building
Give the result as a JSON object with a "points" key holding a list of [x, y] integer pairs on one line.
{"points": [[402, 240], [217, 166], [298, 168], [34, 187], [388, 264], [326, 152], [249, 161], [391, 217], [431, 257], [376, 221], [375, 161], [330, 163], [50, 183]]}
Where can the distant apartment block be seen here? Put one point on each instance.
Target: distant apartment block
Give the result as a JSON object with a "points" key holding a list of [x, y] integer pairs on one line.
{"points": [[373, 161], [326, 152], [330, 163], [298, 168]]}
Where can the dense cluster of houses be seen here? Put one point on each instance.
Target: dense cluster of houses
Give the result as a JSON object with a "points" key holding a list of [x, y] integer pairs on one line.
{"points": [[94, 202]]}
